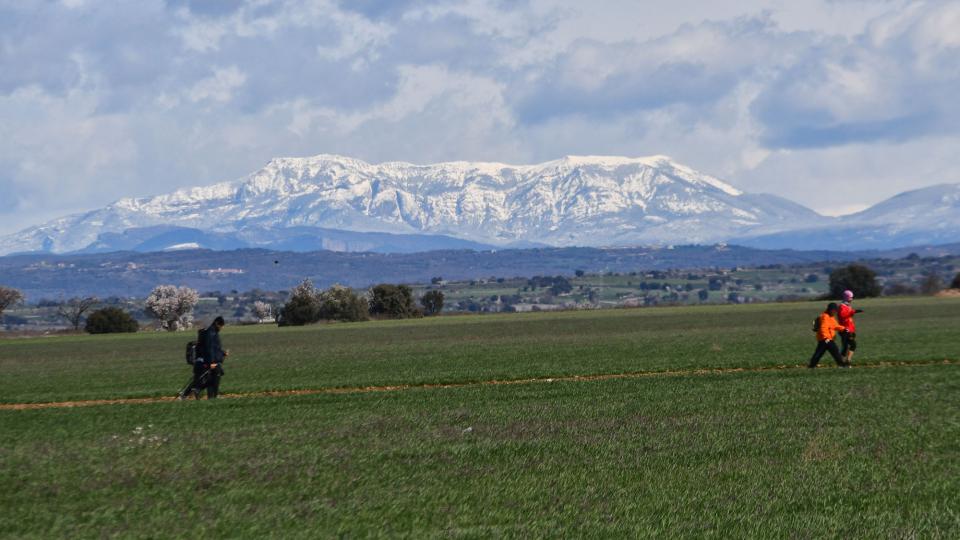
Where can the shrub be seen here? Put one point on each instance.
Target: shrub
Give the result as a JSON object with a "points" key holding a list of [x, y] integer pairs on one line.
{"points": [[955, 284], [111, 320], [432, 302], [931, 284], [855, 277], [339, 303], [899, 289], [393, 301], [302, 308]]}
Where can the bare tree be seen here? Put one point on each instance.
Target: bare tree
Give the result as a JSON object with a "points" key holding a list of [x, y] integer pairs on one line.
{"points": [[72, 310], [9, 297]]}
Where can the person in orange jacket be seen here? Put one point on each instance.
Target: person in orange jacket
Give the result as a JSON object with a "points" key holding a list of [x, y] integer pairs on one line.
{"points": [[827, 327]]}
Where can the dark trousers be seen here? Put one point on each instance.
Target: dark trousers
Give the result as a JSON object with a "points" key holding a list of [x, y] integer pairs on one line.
{"points": [[826, 346], [849, 340], [200, 379], [213, 383]]}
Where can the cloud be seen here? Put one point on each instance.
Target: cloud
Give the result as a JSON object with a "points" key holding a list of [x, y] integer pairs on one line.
{"points": [[895, 82], [102, 101], [218, 87]]}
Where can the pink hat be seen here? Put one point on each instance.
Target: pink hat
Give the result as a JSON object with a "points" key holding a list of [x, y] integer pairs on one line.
{"points": [[848, 295]]}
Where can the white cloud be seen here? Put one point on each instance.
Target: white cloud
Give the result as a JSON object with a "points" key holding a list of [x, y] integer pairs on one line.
{"points": [[835, 103], [219, 87]]}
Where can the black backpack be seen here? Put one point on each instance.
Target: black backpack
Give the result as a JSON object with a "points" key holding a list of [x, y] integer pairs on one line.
{"points": [[816, 324], [195, 348]]}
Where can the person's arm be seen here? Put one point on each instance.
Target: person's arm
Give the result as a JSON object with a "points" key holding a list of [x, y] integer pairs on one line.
{"points": [[858, 311], [218, 349]]}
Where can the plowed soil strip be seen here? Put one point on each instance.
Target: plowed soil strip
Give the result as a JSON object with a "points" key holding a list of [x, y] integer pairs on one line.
{"points": [[399, 387]]}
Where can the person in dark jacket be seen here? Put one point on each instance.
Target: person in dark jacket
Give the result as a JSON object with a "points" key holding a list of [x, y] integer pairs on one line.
{"points": [[213, 356]]}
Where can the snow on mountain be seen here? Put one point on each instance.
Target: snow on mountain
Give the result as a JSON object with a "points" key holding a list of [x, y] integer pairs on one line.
{"points": [[576, 200], [924, 216]]}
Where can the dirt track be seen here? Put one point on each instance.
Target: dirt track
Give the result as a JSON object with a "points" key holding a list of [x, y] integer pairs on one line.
{"points": [[395, 388]]}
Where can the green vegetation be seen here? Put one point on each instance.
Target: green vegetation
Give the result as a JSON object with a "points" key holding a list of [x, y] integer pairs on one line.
{"points": [[111, 320], [838, 453], [455, 349], [857, 278]]}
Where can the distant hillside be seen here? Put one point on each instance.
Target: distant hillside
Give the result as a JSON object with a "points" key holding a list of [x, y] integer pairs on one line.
{"points": [[131, 273]]}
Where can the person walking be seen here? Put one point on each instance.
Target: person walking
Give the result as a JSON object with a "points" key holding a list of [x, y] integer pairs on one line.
{"points": [[848, 339], [213, 357], [826, 327]]}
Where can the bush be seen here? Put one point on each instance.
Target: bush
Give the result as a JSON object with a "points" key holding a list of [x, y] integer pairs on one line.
{"points": [[931, 284], [432, 302], [302, 308], [393, 301], [899, 289], [111, 320], [340, 303], [855, 277], [955, 284]]}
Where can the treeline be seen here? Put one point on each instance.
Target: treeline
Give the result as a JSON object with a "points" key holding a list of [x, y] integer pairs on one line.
{"points": [[308, 305]]}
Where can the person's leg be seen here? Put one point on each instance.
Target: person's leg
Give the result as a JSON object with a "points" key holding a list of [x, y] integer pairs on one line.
{"points": [[198, 380], [213, 385], [835, 353], [817, 354], [851, 347]]}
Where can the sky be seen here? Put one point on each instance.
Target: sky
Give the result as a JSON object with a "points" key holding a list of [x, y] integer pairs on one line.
{"points": [[836, 104]]}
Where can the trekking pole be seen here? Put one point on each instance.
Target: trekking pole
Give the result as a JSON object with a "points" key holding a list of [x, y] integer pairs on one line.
{"points": [[190, 386]]}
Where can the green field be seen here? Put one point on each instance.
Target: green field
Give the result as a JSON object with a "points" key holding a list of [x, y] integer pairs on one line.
{"points": [[867, 452]]}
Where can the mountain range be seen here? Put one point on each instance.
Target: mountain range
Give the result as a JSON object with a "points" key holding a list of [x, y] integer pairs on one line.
{"points": [[337, 203]]}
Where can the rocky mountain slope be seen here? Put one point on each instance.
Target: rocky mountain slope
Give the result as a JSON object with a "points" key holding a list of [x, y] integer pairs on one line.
{"points": [[584, 201]]}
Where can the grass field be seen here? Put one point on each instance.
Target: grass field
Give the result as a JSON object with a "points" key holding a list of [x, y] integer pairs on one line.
{"points": [[781, 453]]}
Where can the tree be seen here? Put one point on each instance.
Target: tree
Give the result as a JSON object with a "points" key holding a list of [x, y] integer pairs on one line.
{"points": [[172, 306], [261, 310], [931, 284], [303, 306], [899, 289], [855, 277], [110, 320], [339, 303], [9, 298], [432, 302], [955, 284], [72, 310], [703, 295], [392, 301], [579, 273]]}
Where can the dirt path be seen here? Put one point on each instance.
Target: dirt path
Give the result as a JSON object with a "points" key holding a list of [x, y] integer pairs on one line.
{"points": [[396, 388]]}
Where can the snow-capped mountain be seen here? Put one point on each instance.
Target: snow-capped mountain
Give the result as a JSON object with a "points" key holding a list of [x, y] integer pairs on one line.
{"points": [[586, 201], [924, 216]]}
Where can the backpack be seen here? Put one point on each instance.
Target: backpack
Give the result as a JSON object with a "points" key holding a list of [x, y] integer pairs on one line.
{"points": [[816, 324], [195, 348]]}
